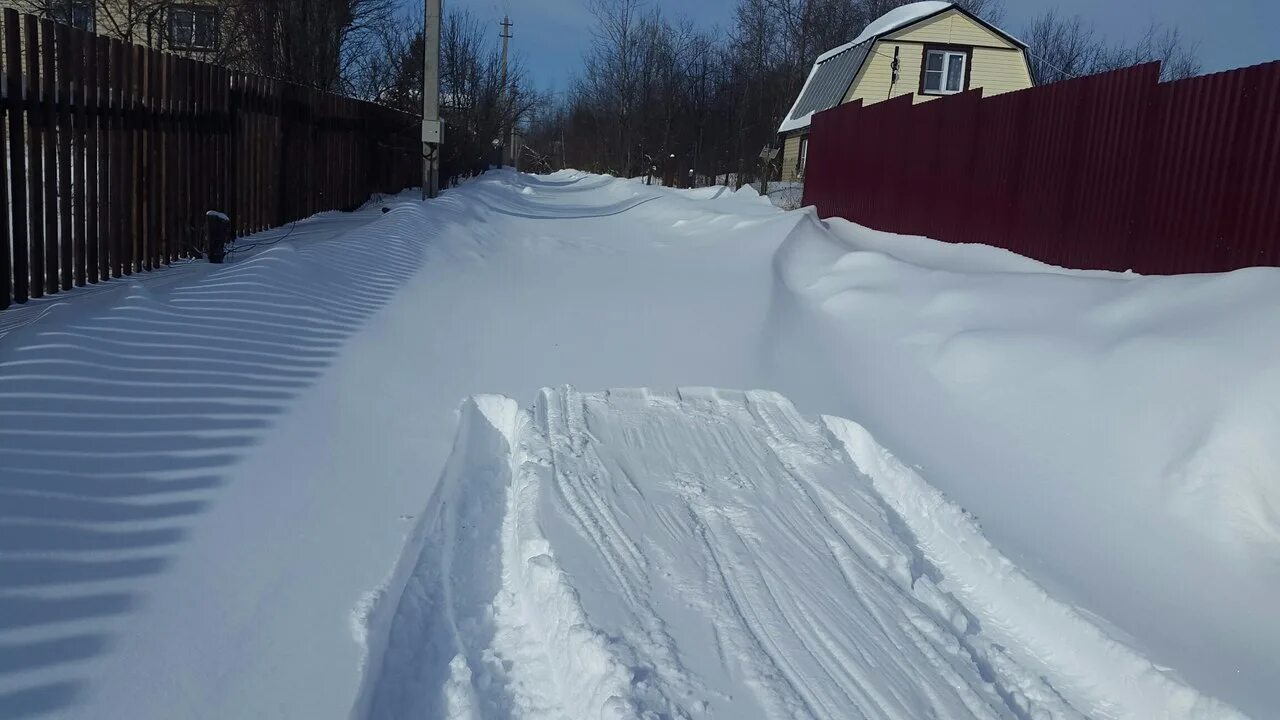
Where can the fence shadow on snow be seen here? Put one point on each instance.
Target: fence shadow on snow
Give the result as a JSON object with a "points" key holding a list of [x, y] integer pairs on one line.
{"points": [[119, 420]]}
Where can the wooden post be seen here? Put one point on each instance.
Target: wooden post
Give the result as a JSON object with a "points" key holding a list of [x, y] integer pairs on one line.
{"points": [[35, 154], [72, 254]]}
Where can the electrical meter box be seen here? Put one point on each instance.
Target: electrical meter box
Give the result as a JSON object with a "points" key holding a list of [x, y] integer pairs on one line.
{"points": [[433, 132]]}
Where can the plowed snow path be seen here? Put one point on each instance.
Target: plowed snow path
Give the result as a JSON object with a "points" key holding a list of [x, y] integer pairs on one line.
{"points": [[714, 554]]}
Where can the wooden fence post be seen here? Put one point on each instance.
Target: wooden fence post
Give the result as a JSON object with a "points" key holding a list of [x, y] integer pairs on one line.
{"points": [[17, 199]]}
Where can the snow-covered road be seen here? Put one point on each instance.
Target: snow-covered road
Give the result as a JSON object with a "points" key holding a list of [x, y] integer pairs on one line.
{"points": [[212, 490]]}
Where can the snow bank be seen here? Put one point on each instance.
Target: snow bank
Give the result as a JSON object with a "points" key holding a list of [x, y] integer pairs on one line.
{"points": [[1108, 429]]}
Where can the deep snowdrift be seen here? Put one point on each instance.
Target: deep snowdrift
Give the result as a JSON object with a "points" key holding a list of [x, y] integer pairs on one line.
{"points": [[1115, 434]]}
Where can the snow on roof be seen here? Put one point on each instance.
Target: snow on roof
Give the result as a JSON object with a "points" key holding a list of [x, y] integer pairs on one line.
{"points": [[802, 111], [896, 18], [901, 17]]}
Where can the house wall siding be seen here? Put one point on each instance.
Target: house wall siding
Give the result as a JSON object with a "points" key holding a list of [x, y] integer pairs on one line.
{"points": [[999, 71], [952, 28], [998, 66], [872, 82], [118, 19], [790, 152]]}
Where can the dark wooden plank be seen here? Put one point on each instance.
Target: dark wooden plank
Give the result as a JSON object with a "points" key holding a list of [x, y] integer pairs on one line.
{"points": [[115, 172], [178, 169], [88, 139], [190, 225], [219, 135], [167, 157], [246, 153], [75, 99], [235, 162], [124, 166], [175, 156], [273, 154], [99, 148], [224, 139], [204, 149], [195, 201], [120, 158], [259, 154], [7, 287], [184, 153], [251, 135], [161, 254], [35, 153], [129, 162], [285, 189], [48, 114], [155, 191], [142, 193], [71, 254], [86, 251], [17, 200], [255, 154]]}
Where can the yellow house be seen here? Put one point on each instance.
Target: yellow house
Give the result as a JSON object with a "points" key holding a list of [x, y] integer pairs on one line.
{"points": [[924, 49], [196, 29]]}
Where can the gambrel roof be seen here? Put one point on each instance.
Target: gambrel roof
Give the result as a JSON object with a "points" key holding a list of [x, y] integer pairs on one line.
{"points": [[834, 70]]}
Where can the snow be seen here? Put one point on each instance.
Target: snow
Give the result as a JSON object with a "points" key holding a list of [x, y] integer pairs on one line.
{"points": [[250, 490], [899, 17], [714, 554]]}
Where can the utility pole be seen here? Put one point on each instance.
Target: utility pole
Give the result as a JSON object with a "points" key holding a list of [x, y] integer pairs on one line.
{"points": [[432, 128], [502, 129]]}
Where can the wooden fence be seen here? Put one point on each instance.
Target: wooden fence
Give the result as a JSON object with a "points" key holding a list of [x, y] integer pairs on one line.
{"points": [[1114, 171], [115, 153]]}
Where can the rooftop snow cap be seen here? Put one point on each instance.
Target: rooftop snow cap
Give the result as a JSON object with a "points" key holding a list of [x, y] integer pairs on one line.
{"points": [[834, 70]]}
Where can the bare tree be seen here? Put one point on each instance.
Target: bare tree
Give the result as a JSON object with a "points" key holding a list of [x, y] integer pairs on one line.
{"points": [[309, 42], [1062, 47], [475, 104], [141, 21]]}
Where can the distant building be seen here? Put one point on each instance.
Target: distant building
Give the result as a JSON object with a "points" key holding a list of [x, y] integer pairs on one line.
{"points": [[194, 29], [298, 40], [924, 49]]}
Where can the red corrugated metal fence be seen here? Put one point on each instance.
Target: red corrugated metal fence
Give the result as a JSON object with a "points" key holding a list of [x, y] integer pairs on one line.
{"points": [[1114, 171]]}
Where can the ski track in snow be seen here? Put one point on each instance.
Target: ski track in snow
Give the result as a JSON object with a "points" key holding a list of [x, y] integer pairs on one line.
{"points": [[712, 553]]}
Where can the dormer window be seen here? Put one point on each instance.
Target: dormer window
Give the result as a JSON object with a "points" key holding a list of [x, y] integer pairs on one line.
{"points": [[945, 71]]}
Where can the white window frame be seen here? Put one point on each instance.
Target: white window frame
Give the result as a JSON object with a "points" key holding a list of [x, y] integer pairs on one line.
{"points": [[946, 65], [803, 156], [193, 11]]}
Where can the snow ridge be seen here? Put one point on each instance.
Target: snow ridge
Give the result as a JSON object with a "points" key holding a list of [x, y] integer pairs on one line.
{"points": [[487, 625], [1024, 624]]}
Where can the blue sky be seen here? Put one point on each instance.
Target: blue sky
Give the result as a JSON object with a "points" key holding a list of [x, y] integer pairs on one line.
{"points": [[551, 35]]}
